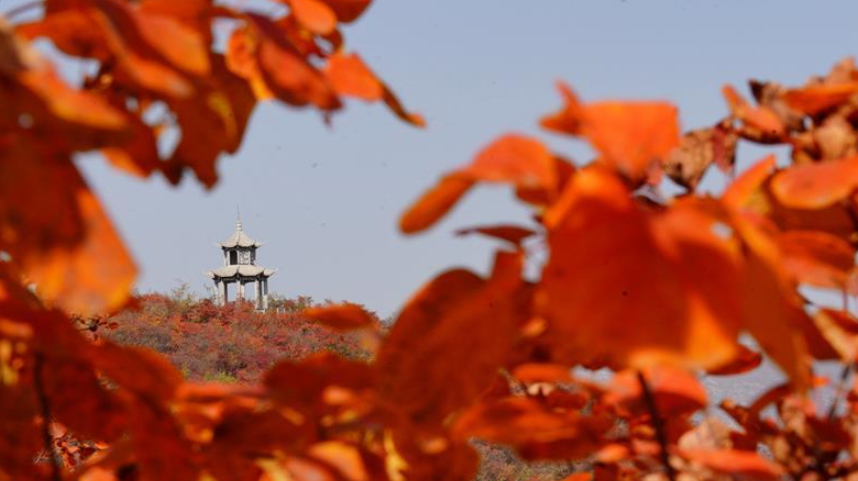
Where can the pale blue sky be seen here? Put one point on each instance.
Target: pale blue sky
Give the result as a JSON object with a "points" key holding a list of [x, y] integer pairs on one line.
{"points": [[326, 200]]}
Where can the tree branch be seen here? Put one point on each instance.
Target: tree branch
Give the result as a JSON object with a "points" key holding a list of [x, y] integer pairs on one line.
{"points": [[45, 411], [658, 425]]}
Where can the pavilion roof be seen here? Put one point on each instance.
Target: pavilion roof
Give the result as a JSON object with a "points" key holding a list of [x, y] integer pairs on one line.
{"points": [[246, 270], [239, 239]]}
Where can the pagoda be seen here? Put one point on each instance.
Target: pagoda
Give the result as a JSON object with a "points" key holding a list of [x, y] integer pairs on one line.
{"points": [[239, 267]]}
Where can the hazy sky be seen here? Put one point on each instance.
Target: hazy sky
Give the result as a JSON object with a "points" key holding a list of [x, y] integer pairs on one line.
{"points": [[326, 200]]}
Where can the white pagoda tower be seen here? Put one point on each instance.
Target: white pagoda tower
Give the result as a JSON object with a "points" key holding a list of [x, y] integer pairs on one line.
{"points": [[239, 267]]}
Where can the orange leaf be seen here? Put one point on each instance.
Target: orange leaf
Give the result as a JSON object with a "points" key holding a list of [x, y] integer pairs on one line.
{"points": [[57, 232], [532, 429], [288, 75], [350, 76], [675, 391], [761, 120], [746, 360], [345, 458], [92, 276], [550, 373], [153, 35], [632, 136], [569, 119], [817, 258], [815, 99], [515, 159], [348, 10], [220, 115], [597, 289], [315, 15], [745, 188], [241, 59], [301, 385], [771, 310], [426, 372], [434, 203], [393, 103], [81, 403], [511, 233], [741, 465], [815, 186], [840, 329], [144, 372], [341, 316], [72, 31], [182, 46]]}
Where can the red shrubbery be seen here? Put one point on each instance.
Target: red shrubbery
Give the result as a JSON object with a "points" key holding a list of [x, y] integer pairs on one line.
{"points": [[229, 343]]}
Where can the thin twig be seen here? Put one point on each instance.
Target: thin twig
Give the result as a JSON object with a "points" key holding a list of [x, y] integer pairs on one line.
{"points": [[45, 411], [658, 426], [841, 390]]}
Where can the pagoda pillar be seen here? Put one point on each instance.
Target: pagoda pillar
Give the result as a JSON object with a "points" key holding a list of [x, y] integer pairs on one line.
{"points": [[225, 285], [265, 294], [240, 289], [218, 292], [258, 288]]}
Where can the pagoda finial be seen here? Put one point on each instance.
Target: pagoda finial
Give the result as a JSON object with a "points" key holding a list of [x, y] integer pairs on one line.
{"points": [[238, 217]]}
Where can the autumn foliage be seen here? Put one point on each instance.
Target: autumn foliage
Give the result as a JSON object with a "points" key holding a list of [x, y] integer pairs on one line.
{"points": [[660, 289]]}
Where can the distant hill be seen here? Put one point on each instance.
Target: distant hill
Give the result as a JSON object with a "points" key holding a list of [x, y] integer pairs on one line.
{"points": [[232, 343]]}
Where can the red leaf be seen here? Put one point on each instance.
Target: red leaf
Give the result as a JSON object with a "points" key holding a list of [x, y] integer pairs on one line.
{"points": [[341, 316]]}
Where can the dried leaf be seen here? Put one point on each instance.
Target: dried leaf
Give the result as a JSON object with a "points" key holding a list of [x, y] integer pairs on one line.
{"points": [[699, 149]]}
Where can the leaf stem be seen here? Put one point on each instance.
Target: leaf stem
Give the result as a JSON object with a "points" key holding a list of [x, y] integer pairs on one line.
{"points": [[658, 425], [45, 411]]}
